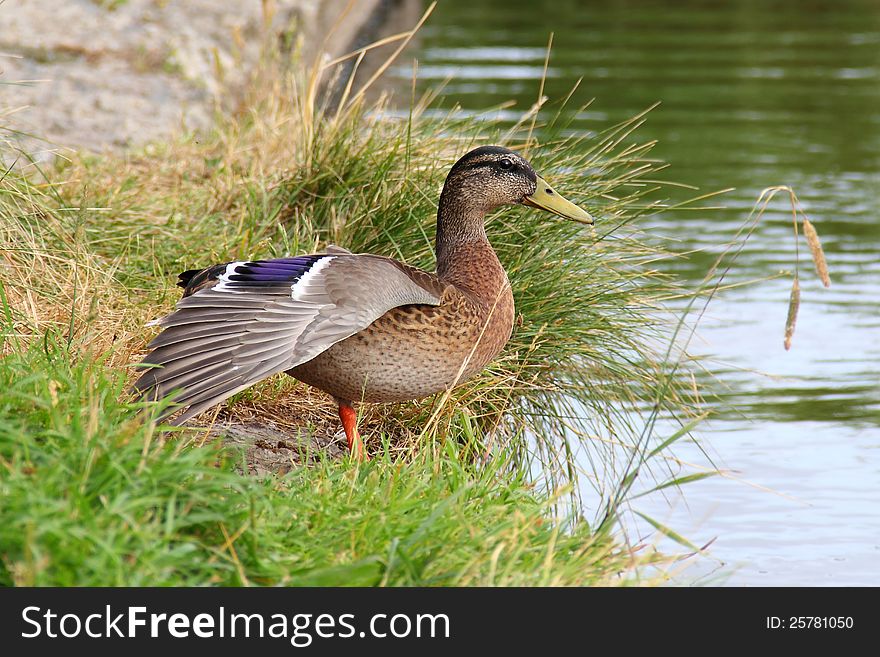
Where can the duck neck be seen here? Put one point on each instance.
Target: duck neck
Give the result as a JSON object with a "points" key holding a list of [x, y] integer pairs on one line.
{"points": [[464, 256], [459, 221]]}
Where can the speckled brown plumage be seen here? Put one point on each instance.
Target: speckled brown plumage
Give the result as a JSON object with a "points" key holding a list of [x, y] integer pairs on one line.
{"points": [[358, 326], [416, 350]]}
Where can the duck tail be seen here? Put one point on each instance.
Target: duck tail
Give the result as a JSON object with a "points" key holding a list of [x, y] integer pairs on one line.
{"points": [[184, 278]]}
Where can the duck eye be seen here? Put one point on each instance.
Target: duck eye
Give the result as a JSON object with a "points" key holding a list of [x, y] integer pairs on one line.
{"points": [[506, 164]]}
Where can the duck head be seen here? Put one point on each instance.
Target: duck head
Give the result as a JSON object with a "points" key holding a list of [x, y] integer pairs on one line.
{"points": [[491, 176]]}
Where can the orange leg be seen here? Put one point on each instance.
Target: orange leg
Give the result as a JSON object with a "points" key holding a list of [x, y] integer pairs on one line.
{"points": [[349, 422]]}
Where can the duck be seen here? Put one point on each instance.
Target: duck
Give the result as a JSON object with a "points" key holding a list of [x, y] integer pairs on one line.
{"points": [[358, 326]]}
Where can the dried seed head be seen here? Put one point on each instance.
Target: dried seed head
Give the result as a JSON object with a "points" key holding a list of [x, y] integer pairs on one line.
{"points": [[794, 303], [818, 253]]}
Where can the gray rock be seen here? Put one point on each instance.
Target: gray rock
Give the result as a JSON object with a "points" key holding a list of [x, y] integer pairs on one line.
{"points": [[106, 74]]}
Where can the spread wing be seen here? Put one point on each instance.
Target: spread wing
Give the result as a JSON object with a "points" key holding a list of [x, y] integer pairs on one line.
{"points": [[244, 321]]}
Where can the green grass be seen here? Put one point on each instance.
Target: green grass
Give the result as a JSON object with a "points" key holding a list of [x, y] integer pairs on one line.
{"points": [[478, 486], [93, 496]]}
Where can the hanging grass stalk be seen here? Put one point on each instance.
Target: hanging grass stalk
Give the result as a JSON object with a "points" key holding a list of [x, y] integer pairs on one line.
{"points": [[812, 240]]}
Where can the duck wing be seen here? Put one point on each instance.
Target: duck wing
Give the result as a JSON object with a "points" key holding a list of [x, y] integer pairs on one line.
{"points": [[241, 322]]}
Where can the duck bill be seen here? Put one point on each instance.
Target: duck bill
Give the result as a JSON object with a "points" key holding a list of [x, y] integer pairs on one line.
{"points": [[547, 198]]}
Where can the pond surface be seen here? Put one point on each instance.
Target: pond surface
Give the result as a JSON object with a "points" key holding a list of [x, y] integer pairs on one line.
{"points": [[755, 93]]}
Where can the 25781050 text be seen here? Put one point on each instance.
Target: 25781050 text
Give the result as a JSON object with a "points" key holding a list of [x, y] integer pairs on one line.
{"points": [[809, 622]]}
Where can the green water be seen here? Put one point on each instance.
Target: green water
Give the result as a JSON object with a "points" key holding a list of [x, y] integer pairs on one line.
{"points": [[753, 94]]}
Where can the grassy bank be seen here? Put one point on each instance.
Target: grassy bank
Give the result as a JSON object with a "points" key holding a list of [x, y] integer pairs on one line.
{"points": [[92, 496], [471, 487]]}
